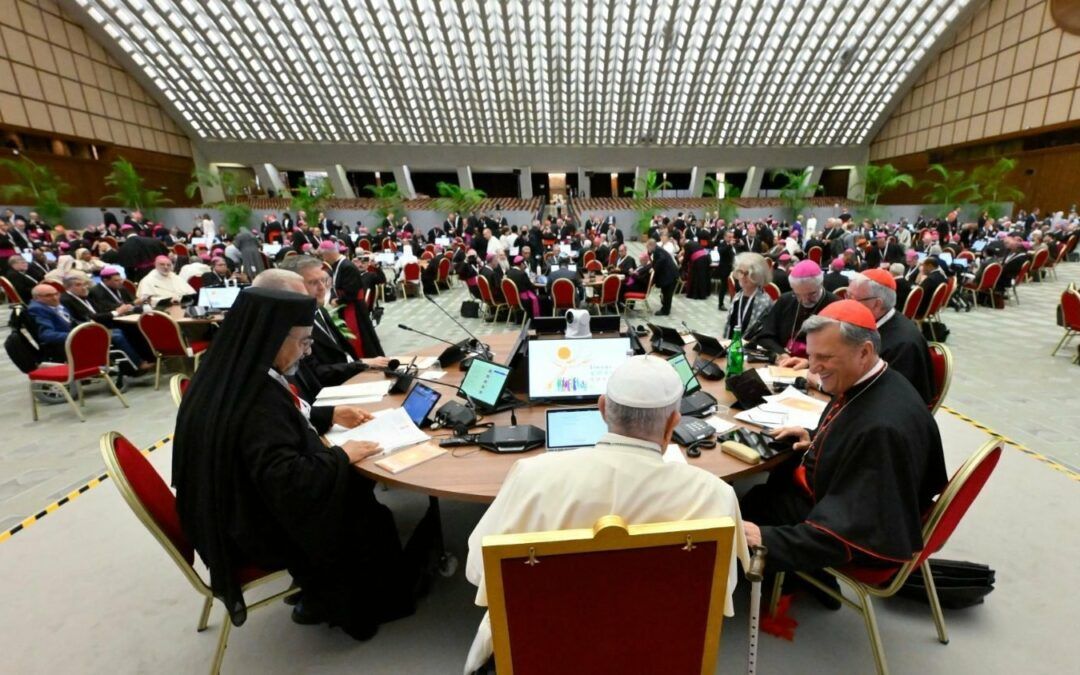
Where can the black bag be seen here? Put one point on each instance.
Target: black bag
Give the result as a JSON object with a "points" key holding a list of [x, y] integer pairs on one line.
{"points": [[21, 348], [959, 584], [939, 334], [470, 309]]}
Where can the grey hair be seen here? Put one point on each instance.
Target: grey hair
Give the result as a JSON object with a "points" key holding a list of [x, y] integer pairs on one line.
{"points": [[853, 335], [637, 422], [896, 269], [71, 277], [815, 281], [299, 263], [280, 280], [886, 295], [755, 266]]}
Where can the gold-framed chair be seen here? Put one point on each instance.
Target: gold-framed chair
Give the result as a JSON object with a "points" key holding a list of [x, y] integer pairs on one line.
{"points": [[945, 515], [941, 360], [178, 385], [155, 506], [632, 298], [678, 572], [87, 350]]}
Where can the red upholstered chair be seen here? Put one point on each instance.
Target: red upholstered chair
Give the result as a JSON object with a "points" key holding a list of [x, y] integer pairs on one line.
{"points": [[167, 341], [732, 287], [442, 276], [430, 248], [87, 349], [195, 282], [10, 294], [427, 255], [364, 244], [989, 280], [841, 292], [1039, 262], [814, 254], [632, 298], [131, 287], [609, 599], [180, 249], [1070, 314], [946, 514], [772, 290], [55, 284], [608, 296], [966, 255], [941, 360], [563, 296], [594, 265], [936, 302], [488, 298], [513, 300], [588, 257], [155, 507], [410, 276], [178, 386], [389, 245], [1022, 276], [911, 305], [613, 257], [1063, 253]]}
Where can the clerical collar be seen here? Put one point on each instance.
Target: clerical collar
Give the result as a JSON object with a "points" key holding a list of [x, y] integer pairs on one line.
{"points": [[874, 370], [885, 319], [612, 441]]}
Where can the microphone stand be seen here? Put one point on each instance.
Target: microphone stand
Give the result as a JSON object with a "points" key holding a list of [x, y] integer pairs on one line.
{"points": [[486, 350], [463, 347]]}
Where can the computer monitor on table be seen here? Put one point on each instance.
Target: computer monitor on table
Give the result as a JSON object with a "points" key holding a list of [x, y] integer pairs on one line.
{"points": [[574, 427], [218, 297], [564, 370], [686, 373]]}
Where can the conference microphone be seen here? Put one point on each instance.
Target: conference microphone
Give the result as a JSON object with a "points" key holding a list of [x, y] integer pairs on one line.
{"points": [[707, 369], [480, 345]]}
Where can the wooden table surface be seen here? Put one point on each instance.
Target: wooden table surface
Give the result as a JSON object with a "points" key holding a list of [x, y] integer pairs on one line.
{"points": [[470, 474], [177, 313]]}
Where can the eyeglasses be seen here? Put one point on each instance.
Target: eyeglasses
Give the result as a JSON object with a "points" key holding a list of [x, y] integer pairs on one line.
{"points": [[305, 342]]}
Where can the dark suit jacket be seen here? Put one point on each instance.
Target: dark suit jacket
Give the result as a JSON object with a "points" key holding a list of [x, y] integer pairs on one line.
{"points": [[23, 283], [80, 313], [666, 271], [330, 353], [348, 280], [212, 280], [103, 300]]}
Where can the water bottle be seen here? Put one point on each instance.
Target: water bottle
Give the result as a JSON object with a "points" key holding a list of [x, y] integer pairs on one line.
{"points": [[735, 355]]}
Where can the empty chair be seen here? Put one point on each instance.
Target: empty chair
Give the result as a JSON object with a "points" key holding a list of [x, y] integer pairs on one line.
{"points": [[941, 361], [1070, 316], [911, 305], [167, 341]]}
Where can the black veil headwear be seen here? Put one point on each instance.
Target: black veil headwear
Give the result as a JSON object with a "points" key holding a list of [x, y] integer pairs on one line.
{"points": [[223, 392]]}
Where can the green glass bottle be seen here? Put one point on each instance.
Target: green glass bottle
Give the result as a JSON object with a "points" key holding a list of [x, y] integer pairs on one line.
{"points": [[735, 354]]}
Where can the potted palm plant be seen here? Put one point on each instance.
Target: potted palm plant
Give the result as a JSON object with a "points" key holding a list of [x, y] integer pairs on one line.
{"points": [[877, 179], [454, 198], [795, 189], [643, 192], [993, 191], [131, 190], [951, 190], [35, 184], [726, 207], [235, 216]]}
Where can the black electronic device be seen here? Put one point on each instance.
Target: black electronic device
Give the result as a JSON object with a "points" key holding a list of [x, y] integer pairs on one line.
{"points": [[419, 404], [518, 362], [706, 344], [452, 354], [549, 325], [458, 441], [481, 348], [666, 339], [749, 389], [692, 431], [454, 415], [511, 439], [695, 401], [485, 386], [605, 323], [635, 339]]}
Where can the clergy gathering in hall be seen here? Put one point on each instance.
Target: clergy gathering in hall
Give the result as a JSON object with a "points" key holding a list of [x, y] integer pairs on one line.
{"points": [[555, 337]]}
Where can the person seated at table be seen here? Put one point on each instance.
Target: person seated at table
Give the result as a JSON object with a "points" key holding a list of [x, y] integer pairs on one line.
{"points": [[162, 285], [219, 274], [903, 346], [750, 302], [623, 474], [336, 356], [307, 382], [625, 263], [468, 270], [780, 271], [781, 327], [255, 485], [530, 300], [856, 491], [111, 294], [835, 277], [930, 277], [564, 272], [903, 286], [76, 300]]}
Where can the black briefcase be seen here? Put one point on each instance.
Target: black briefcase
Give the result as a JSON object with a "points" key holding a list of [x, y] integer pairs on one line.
{"points": [[959, 583], [470, 309]]}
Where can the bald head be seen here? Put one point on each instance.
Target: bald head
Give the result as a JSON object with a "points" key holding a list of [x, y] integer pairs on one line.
{"points": [[280, 280], [46, 295]]}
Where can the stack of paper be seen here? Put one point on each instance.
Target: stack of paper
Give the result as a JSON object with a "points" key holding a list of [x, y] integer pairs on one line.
{"points": [[789, 408], [354, 394], [407, 459], [392, 429]]}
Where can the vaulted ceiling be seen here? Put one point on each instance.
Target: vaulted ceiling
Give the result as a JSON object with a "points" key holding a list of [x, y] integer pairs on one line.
{"points": [[609, 73]]}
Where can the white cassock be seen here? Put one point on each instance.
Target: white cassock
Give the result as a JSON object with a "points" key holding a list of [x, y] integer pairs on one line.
{"points": [[160, 287], [622, 476]]}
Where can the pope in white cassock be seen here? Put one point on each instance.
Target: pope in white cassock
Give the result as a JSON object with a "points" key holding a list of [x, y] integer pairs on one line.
{"points": [[624, 474], [163, 284]]}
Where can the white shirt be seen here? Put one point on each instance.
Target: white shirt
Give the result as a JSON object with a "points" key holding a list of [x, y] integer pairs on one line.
{"points": [[193, 269], [622, 476], [160, 287]]}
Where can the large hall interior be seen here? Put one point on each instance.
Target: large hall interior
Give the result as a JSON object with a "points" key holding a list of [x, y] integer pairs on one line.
{"points": [[492, 336]]}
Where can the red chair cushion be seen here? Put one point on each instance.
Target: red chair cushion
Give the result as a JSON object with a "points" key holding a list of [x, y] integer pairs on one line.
{"points": [[198, 346], [634, 295], [60, 373], [871, 576], [245, 574]]}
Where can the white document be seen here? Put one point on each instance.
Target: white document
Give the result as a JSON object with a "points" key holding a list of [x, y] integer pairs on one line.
{"points": [[721, 426], [352, 400], [364, 389], [433, 374], [674, 455], [392, 429]]}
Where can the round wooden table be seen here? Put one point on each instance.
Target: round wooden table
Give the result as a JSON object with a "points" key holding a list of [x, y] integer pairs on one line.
{"points": [[177, 314], [474, 475]]}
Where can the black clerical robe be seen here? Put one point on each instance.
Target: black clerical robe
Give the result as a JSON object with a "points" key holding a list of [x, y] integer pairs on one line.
{"points": [[858, 494], [301, 505], [904, 348], [782, 324]]}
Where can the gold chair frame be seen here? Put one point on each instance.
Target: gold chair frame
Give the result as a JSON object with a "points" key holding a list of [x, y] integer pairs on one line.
{"points": [[112, 466], [1069, 332], [174, 388], [631, 304], [63, 387], [947, 355], [159, 357], [609, 533], [520, 306], [864, 592]]}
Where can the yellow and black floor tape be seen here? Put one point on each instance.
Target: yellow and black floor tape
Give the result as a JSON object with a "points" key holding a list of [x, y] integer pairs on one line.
{"points": [[74, 494], [1050, 462]]}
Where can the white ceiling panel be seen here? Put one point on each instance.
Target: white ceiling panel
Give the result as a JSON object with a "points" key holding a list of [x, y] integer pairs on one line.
{"points": [[768, 73]]}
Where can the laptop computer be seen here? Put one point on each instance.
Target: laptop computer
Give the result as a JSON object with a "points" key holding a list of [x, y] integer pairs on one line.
{"points": [[569, 428], [694, 401]]}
